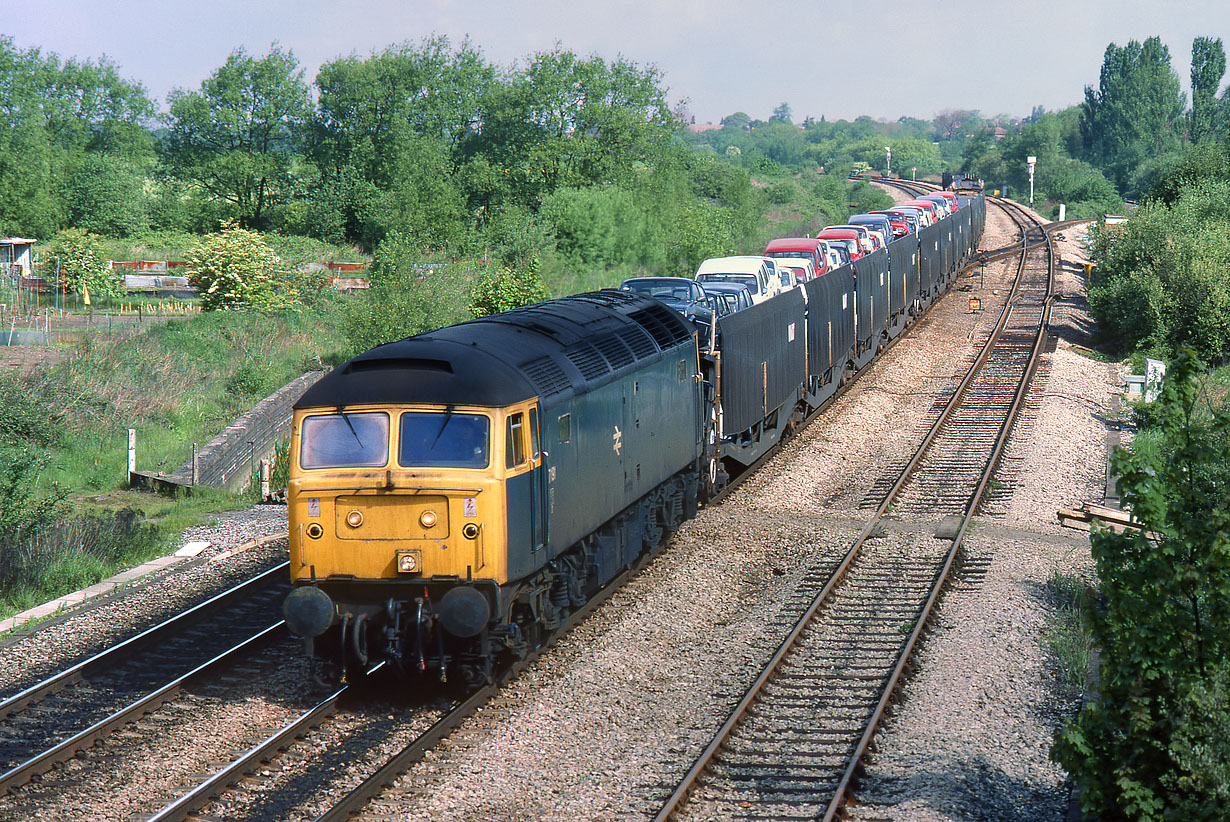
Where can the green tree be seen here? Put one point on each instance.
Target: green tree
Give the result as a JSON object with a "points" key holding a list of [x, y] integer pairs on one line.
{"points": [[1164, 626], [106, 195], [781, 114], [236, 269], [563, 120], [387, 138], [77, 262], [1135, 112], [1208, 67], [236, 138], [57, 115], [739, 119]]}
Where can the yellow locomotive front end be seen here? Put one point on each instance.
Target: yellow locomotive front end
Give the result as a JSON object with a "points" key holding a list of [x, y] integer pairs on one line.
{"points": [[398, 518], [394, 493]]}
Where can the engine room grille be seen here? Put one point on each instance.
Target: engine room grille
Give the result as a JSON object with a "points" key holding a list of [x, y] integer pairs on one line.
{"points": [[642, 344], [616, 353], [587, 360], [663, 325], [546, 375]]}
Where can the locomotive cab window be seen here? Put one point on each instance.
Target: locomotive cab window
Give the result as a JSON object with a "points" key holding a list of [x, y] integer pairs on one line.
{"points": [[514, 440], [344, 440], [565, 428], [443, 439]]}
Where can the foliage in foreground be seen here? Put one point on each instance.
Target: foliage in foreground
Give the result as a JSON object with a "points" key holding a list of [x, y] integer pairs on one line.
{"points": [[1153, 745], [1163, 277]]}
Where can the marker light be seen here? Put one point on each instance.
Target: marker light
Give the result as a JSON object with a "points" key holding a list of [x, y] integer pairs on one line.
{"points": [[354, 519], [427, 519]]}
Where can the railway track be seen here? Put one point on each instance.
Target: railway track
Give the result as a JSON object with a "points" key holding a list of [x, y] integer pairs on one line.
{"points": [[69, 712], [215, 785], [381, 778], [792, 747]]}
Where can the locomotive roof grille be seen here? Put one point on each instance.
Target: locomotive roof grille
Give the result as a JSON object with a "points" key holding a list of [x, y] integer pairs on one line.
{"points": [[547, 376], [588, 361], [641, 343], [616, 353], [665, 326]]}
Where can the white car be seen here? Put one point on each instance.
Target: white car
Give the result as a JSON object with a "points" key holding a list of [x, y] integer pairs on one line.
{"points": [[831, 254], [767, 279], [804, 263]]}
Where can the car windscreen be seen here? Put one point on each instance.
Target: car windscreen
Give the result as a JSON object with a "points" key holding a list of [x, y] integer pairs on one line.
{"points": [[344, 440], [748, 280], [662, 289], [443, 439]]}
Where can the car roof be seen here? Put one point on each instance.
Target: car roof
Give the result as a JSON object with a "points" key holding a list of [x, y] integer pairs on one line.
{"points": [[658, 279], [791, 244]]}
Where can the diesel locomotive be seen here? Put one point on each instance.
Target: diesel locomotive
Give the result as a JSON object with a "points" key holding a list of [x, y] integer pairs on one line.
{"points": [[455, 495]]}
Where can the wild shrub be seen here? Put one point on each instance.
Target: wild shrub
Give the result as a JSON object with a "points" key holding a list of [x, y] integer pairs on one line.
{"points": [[76, 261], [1163, 622], [411, 292], [1163, 277], [236, 268], [503, 289]]}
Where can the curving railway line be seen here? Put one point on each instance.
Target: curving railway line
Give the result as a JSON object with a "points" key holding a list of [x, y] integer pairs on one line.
{"points": [[792, 747]]}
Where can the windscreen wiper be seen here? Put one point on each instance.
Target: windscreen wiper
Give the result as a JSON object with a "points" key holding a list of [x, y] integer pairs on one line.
{"points": [[448, 415], [350, 425]]}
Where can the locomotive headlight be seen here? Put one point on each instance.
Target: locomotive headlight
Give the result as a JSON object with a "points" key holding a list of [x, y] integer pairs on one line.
{"points": [[315, 531], [470, 531], [354, 519], [407, 562], [428, 518]]}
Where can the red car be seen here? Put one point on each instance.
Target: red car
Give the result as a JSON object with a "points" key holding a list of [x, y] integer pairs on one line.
{"points": [[932, 208], [954, 202], [799, 247], [897, 220], [849, 234]]}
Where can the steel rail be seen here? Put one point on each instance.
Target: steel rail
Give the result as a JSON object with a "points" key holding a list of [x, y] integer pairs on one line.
{"points": [[690, 779], [847, 779], [76, 673], [369, 788], [203, 794], [84, 739]]}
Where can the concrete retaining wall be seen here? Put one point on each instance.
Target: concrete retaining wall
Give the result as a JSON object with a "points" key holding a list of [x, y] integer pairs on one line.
{"points": [[229, 460]]}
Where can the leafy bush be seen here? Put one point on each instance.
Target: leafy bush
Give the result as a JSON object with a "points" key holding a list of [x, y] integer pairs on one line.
{"points": [[1163, 277], [236, 268], [76, 261], [503, 289], [410, 293], [1163, 626]]}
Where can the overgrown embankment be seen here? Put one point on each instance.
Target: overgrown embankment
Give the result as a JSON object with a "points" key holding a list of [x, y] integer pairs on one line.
{"points": [[66, 519]]}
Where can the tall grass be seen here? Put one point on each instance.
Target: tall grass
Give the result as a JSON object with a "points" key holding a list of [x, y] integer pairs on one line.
{"points": [[1067, 635], [42, 559]]}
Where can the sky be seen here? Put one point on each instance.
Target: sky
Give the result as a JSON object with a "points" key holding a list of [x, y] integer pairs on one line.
{"points": [[838, 60]]}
